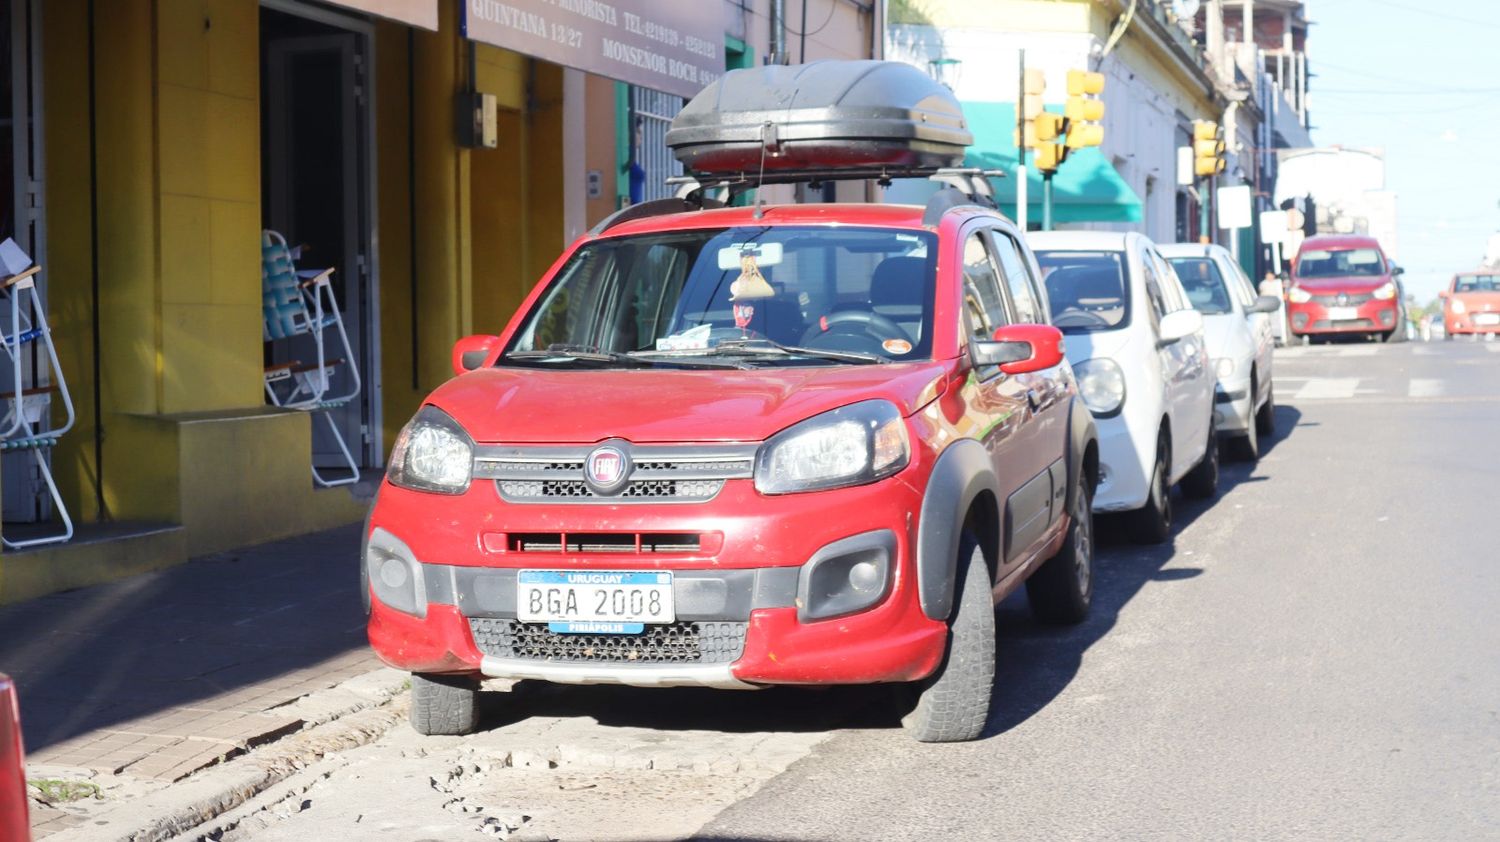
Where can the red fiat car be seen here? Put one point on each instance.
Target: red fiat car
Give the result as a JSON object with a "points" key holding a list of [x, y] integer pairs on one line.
{"points": [[1344, 285], [741, 447], [1471, 304]]}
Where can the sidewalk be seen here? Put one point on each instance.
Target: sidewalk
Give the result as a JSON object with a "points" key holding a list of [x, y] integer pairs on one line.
{"points": [[134, 685]]}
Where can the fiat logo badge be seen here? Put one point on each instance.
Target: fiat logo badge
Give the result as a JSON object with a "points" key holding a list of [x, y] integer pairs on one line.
{"points": [[606, 468], [1343, 298]]}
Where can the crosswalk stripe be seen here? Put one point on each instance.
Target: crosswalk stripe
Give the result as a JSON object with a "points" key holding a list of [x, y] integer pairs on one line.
{"points": [[1358, 351], [1327, 388], [1424, 387]]}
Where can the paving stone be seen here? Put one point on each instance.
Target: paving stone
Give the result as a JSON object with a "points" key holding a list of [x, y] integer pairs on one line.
{"points": [[177, 761], [46, 821], [237, 727], [103, 751]]}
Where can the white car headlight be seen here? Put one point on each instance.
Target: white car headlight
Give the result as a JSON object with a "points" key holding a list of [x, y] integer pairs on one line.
{"points": [[432, 453], [1298, 295], [1386, 291], [1224, 367], [851, 445], [1457, 305], [1101, 384]]}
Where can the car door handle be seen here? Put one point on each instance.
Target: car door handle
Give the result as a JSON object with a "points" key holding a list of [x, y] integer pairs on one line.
{"points": [[1034, 399]]}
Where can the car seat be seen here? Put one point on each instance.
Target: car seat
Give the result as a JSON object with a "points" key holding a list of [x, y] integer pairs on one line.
{"points": [[898, 292]]}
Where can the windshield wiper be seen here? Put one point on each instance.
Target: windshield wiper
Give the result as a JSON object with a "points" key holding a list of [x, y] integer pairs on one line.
{"points": [[575, 352], [762, 345]]}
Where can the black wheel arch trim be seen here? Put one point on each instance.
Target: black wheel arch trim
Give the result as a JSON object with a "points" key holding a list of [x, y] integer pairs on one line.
{"points": [[1081, 433], [962, 471]]}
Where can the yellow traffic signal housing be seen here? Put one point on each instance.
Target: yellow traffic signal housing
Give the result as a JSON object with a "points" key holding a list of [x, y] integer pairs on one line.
{"points": [[1049, 156], [1084, 109], [1050, 126], [1208, 148], [1034, 85]]}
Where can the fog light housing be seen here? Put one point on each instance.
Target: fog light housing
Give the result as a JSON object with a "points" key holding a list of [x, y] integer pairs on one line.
{"points": [[394, 573], [846, 576]]}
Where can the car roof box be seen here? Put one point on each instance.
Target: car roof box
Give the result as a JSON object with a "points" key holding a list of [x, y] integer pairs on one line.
{"points": [[826, 115]]}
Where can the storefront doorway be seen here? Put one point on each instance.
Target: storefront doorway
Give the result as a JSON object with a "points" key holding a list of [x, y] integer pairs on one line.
{"points": [[317, 191], [22, 218]]}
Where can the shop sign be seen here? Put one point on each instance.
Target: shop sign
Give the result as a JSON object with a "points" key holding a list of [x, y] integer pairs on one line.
{"points": [[423, 13], [674, 46]]}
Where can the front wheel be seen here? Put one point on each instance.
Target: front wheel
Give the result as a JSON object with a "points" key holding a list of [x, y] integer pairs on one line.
{"points": [[1062, 588], [444, 704], [954, 702], [1152, 523]]}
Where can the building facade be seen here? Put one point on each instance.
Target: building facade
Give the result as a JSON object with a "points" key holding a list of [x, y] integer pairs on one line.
{"points": [[436, 154]]}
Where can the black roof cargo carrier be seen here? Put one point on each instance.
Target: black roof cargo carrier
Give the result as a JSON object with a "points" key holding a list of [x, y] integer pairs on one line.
{"points": [[828, 115]]}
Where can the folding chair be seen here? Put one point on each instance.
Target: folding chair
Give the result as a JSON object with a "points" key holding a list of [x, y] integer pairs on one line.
{"points": [[24, 425], [301, 303]]}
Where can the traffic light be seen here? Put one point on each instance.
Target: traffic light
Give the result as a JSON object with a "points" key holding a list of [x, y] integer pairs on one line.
{"points": [[1208, 148], [1084, 109], [1034, 86], [1049, 156]]}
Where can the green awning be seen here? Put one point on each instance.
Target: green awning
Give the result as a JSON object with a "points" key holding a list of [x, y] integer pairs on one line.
{"points": [[1086, 187]]}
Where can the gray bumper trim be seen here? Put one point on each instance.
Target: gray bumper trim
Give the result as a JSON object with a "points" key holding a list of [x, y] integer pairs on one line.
{"points": [[663, 675]]}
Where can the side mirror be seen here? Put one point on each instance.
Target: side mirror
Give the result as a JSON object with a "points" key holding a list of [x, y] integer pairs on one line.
{"points": [[1175, 326], [1020, 349], [1264, 304], [1397, 270], [470, 352]]}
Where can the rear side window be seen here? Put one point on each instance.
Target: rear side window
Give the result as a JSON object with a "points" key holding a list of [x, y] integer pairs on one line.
{"points": [[1086, 289], [1205, 286]]}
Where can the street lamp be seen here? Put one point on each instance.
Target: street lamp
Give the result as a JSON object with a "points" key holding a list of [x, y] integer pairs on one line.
{"points": [[945, 71]]}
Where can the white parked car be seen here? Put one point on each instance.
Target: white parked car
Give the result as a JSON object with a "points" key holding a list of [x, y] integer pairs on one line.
{"points": [[1237, 325], [1137, 347]]}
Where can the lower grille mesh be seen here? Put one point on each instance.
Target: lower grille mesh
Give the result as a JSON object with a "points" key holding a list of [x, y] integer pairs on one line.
{"points": [[674, 643]]}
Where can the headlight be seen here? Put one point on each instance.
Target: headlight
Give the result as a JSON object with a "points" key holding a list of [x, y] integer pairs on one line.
{"points": [[852, 445], [1101, 384], [1457, 305], [1298, 295], [433, 453], [1224, 367], [1386, 291]]}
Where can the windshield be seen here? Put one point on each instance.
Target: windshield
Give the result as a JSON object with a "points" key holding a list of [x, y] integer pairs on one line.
{"points": [[1086, 289], [1477, 283], [1205, 286], [778, 292], [1321, 263]]}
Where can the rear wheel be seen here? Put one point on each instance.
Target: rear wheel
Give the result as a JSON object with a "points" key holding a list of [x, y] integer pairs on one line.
{"points": [[1152, 523], [444, 704], [1202, 482], [1062, 588], [954, 702]]}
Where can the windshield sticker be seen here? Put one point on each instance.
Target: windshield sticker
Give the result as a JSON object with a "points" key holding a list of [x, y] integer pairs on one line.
{"points": [[693, 339], [896, 346], [751, 283]]}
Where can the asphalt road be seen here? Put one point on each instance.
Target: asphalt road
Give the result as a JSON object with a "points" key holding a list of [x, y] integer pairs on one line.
{"points": [[1315, 655]]}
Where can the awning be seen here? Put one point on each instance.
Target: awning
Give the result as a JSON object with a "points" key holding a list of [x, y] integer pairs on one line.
{"points": [[1086, 187]]}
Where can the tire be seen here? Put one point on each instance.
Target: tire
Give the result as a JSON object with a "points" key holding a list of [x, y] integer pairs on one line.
{"points": [[1306, 340], [1384, 337], [1062, 588], [444, 704], [1152, 523], [954, 703], [1202, 482], [1265, 418]]}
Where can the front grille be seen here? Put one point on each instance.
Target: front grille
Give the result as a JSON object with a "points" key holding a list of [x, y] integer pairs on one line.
{"points": [[673, 643], [604, 542], [1325, 324], [672, 473], [1350, 300]]}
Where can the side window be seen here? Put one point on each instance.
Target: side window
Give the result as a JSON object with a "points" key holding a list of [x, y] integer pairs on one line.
{"points": [[1153, 288], [1171, 288], [1245, 290], [1018, 278], [983, 302]]}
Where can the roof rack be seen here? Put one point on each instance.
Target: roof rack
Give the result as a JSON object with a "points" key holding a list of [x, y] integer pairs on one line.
{"points": [[962, 186]]}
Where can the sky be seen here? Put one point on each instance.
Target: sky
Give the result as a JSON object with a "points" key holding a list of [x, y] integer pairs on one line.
{"points": [[1418, 78]]}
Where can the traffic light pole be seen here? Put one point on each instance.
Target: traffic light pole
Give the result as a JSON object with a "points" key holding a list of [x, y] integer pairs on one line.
{"points": [[1021, 197], [1046, 200], [1204, 191]]}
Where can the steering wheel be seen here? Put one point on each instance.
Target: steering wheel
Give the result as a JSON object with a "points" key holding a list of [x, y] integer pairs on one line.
{"points": [[1079, 318], [867, 322]]}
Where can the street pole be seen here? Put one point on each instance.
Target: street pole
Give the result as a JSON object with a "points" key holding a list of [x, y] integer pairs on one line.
{"points": [[1047, 200], [1021, 144], [1203, 194]]}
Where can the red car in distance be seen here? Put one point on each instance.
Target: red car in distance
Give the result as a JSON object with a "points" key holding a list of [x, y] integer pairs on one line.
{"points": [[1471, 304], [1344, 284]]}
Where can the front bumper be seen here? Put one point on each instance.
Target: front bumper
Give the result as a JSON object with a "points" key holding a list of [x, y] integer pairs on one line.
{"points": [[1314, 318], [1233, 407], [750, 580], [1472, 323], [1124, 470]]}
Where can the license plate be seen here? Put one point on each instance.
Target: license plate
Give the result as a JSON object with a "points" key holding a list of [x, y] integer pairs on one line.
{"points": [[594, 601], [1487, 319], [1343, 314]]}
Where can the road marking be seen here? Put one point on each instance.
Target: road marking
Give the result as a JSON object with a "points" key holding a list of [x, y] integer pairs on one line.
{"points": [[1492, 347], [1327, 388], [1424, 387], [1366, 351]]}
